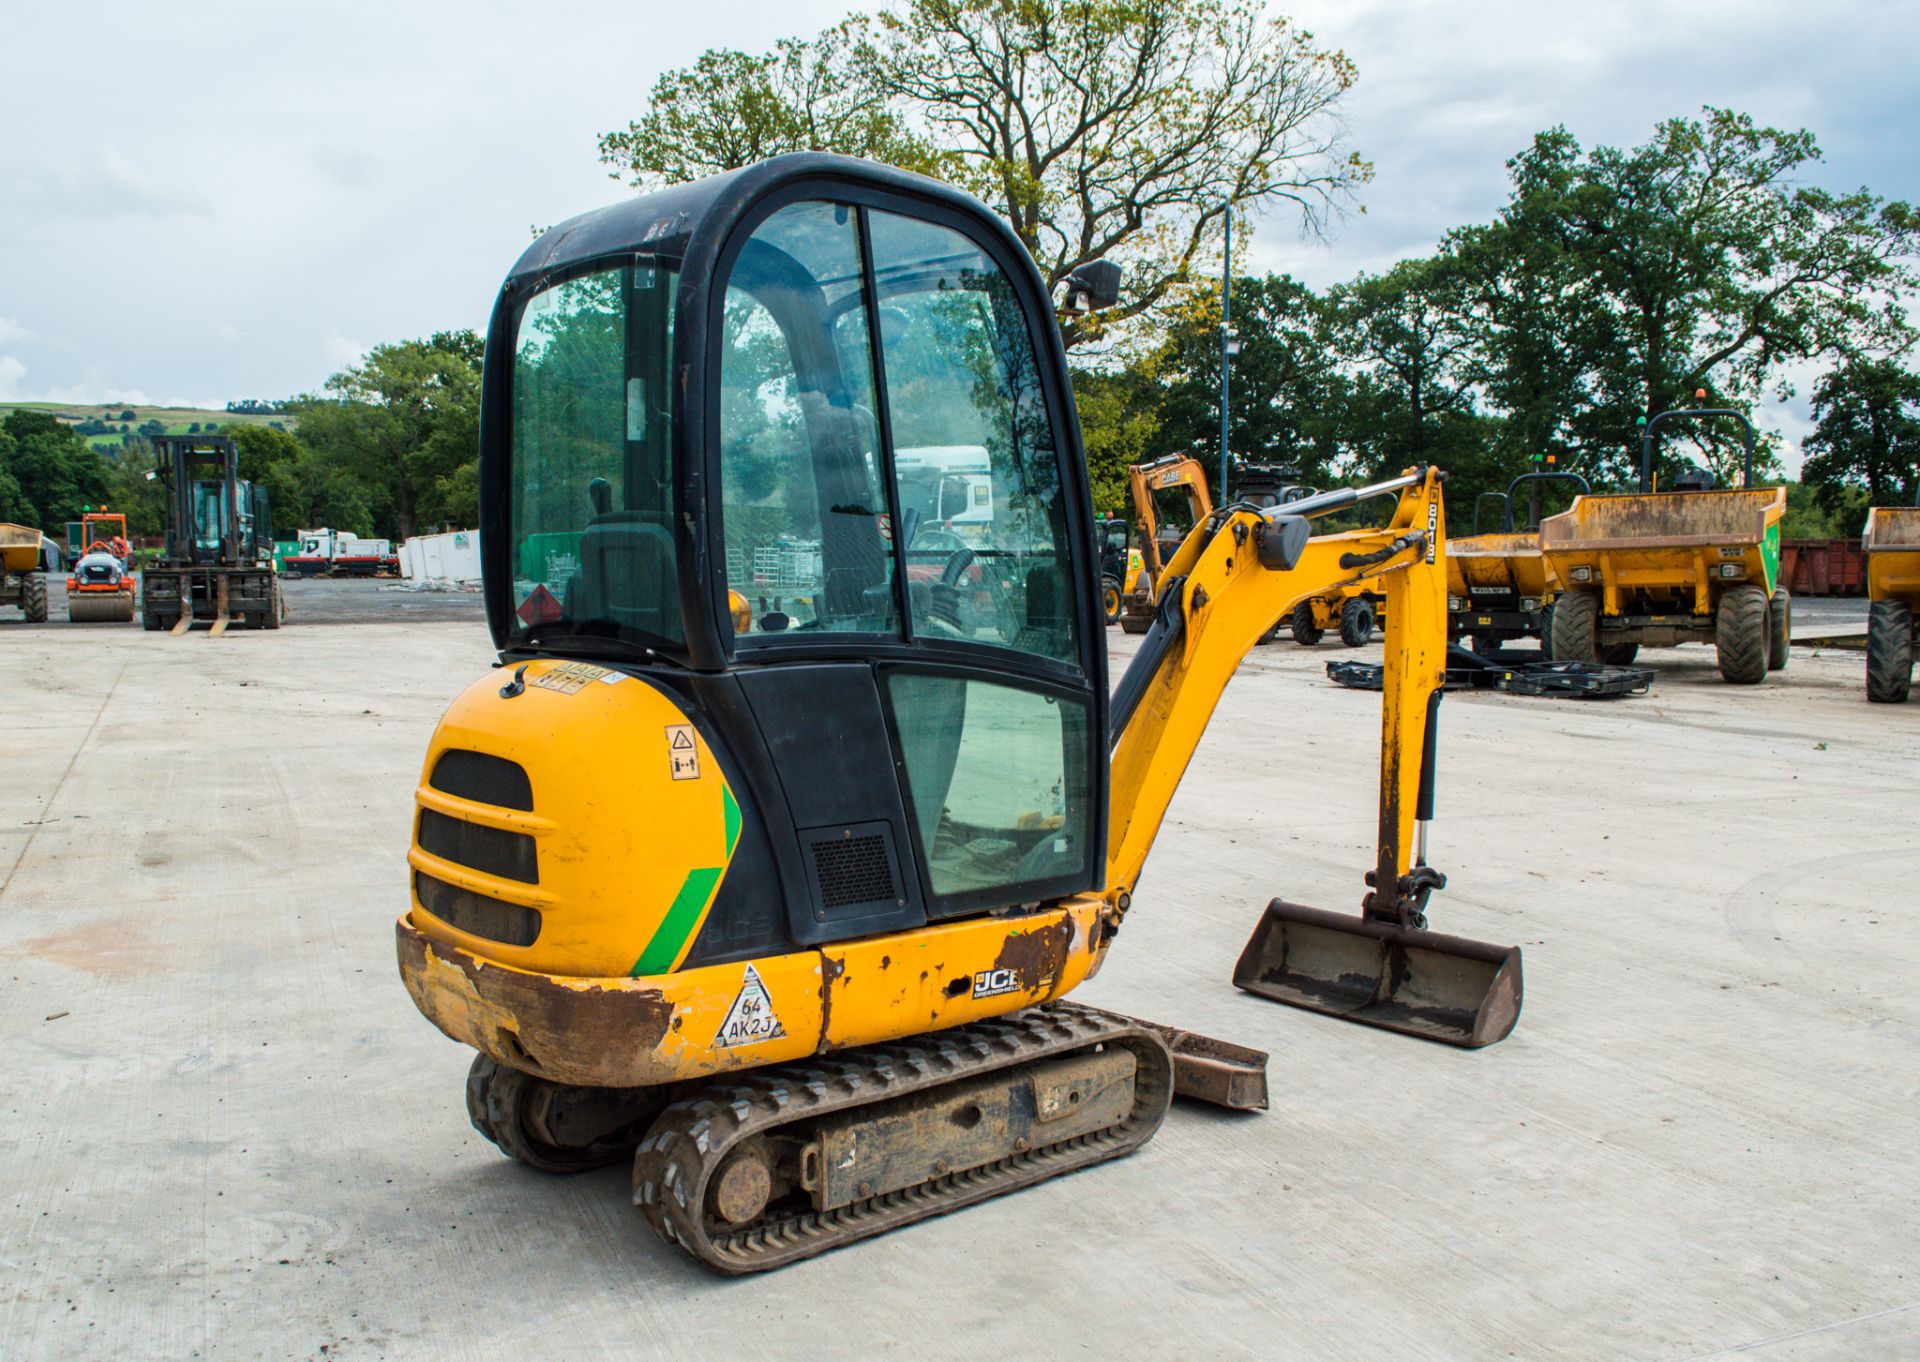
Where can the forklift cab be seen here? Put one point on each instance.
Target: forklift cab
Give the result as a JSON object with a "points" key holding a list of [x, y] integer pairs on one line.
{"points": [[796, 445]]}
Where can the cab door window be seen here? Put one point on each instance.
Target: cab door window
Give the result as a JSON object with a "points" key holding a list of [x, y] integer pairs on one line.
{"points": [[998, 787], [805, 511], [985, 520]]}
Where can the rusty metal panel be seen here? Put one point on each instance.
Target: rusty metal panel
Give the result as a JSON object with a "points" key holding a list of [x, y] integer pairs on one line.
{"points": [[1823, 567], [871, 1152]]}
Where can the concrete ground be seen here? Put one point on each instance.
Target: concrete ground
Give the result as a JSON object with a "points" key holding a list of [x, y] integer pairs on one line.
{"points": [[227, 1134]]}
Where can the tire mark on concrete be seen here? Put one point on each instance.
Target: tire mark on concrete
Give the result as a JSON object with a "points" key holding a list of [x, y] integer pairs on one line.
{"points": [[61, 783]]}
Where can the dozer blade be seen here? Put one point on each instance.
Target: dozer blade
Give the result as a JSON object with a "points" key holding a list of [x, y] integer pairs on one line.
{"points": [[1423, 983]]}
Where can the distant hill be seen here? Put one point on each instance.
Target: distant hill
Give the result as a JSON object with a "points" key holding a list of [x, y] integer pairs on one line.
{"points": [[114, 416]]}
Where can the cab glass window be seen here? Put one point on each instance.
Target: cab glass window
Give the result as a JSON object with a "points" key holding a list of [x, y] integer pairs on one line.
{"points": [[806, 517], [591, 510], [997, 778], [982, 505]]}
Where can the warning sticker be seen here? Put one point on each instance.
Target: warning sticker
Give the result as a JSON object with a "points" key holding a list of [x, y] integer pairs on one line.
{"points": [[569, 677], [682, 756], [750, 1020]]}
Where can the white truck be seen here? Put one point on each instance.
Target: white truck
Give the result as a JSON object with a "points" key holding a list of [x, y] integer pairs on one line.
{"points": [[330, 553], [947, 485]]}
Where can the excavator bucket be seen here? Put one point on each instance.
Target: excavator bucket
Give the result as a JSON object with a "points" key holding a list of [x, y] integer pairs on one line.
{"points": [[1422, 983]]}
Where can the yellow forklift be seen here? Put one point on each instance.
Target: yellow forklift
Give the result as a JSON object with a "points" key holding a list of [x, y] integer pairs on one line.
{"points": [[777, 898]]}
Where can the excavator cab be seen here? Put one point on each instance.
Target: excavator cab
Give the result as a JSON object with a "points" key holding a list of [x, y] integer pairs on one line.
{"points": [[744, 407], [798, 789]]}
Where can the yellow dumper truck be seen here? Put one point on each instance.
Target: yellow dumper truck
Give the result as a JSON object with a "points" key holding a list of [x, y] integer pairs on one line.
{"points": [[1892, 544], [1662, 568], [23, 578], [1499, 586]]}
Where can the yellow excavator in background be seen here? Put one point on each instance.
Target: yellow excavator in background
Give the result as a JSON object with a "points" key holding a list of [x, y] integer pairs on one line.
{"points": [[766, 855], [1155, 534]]}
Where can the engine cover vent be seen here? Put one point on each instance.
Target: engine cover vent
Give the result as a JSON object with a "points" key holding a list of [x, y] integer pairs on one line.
{"points": [[483, 778], [491, 851], [853, 869], [476, 914]]}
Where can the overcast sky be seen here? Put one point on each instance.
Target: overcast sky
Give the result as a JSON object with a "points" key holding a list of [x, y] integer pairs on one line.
{"points": [[214, 199]]}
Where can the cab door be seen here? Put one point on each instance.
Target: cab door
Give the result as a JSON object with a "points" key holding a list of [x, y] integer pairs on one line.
{"points": [[860, 335]]}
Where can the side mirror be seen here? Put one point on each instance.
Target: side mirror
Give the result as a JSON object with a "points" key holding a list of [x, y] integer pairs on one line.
{"points": [[1092, 287]]}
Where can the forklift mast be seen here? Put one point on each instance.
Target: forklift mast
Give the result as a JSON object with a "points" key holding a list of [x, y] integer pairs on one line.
{"points": [[214, 517]]}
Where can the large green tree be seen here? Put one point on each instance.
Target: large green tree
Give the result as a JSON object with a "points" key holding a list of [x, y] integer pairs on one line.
{"points": [[47, 472], [1866, 433], [730, 109], [403, 426], [1286, 386], [1116, 129], [1700, 259]]}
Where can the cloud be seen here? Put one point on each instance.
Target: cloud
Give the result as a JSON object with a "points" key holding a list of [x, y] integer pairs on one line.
{"points": [[91, 393], [99, 183], [342, 353], [11, 332], [346, 167]]}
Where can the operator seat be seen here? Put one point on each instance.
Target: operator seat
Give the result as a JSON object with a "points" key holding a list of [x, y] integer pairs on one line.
{"points": [[627, 573]]}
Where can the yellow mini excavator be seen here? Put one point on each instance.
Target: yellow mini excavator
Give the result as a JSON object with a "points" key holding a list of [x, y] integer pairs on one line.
{"points": [[767, 853]]}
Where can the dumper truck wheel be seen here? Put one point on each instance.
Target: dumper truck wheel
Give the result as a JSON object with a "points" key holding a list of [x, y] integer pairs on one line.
{"points": [[1305, 632], [1618, 654], [1889, 652], [1740, 630], [33, 597], [1576, 619], [1779, 622], [1356, 622], [1110, 598]]}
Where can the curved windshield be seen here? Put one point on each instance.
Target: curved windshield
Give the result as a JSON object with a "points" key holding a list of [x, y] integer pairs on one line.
{"points": [[591, 515]]}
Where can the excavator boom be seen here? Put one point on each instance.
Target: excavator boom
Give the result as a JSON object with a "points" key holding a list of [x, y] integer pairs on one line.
{"points": [[1222, 591]]}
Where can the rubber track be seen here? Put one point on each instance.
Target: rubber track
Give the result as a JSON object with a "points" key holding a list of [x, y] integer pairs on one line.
{"points": [[1741, 635], [692, 1137]]}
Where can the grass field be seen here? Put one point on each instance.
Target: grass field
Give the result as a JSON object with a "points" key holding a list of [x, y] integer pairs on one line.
{"points": [[177, 420]]}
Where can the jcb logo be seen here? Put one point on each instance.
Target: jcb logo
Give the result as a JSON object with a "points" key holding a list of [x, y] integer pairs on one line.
{"points": [[991, 983]]}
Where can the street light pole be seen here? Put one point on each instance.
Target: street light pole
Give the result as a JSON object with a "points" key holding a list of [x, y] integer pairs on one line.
{"points": [[1226, 352]]}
